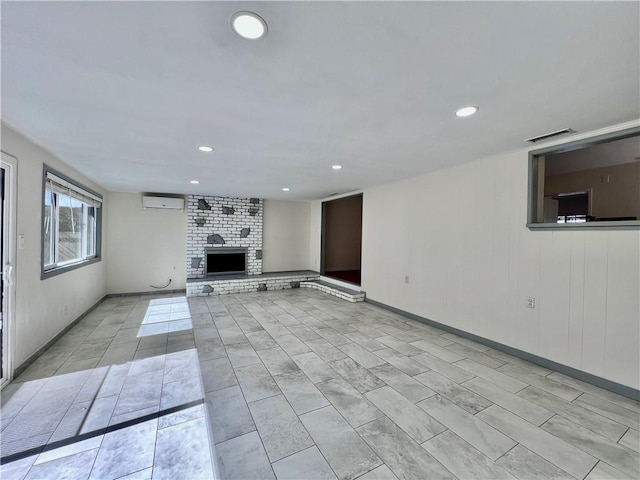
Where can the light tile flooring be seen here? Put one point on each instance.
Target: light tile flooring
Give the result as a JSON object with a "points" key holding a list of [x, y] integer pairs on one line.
{"points": [[300, 385]]}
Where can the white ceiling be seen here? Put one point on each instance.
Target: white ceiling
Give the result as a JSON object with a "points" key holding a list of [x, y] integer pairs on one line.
{"points": [[126, 91]]}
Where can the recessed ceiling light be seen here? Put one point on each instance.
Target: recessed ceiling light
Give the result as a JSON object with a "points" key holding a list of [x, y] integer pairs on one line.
{"points": [[336, 167], [205, 148], [195, 182], [248, 25], [285, 189], [466, 111]]}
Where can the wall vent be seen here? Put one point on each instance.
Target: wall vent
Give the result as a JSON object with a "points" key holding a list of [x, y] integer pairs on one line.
{"points": [[549, 135]]}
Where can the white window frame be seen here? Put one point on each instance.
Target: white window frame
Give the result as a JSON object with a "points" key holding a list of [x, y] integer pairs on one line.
{"points": [[59, 184]]}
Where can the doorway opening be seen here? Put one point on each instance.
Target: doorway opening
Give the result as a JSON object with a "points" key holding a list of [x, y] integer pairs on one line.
{"points": [[342, 239], [8, 167]]}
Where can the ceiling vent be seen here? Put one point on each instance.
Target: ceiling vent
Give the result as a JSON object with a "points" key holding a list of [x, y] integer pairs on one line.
{"points": [[160, 202], [549, 135]]}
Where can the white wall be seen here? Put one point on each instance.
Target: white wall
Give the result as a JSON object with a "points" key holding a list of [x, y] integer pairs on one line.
{"points": [[460, 236], [285, 240], [315, 239], [145, 246], [45, 307]]}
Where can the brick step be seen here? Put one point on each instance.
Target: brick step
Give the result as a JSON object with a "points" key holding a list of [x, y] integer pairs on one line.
{"points": [[352, 296], [247, 283]]}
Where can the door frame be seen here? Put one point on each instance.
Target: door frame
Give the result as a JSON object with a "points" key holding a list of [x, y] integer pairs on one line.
{"points": [[9, 219], [323, 224]]}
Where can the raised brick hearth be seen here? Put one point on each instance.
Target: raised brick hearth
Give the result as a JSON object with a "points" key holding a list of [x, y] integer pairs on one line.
{"points": [[253, 283]]}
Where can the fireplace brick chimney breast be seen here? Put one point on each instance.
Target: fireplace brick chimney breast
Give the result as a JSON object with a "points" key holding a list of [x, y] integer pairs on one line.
{"points": [[223, 222]]}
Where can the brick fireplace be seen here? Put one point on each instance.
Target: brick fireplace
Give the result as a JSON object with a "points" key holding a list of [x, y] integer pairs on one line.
{"points": [[223, 226], [224, 248]]}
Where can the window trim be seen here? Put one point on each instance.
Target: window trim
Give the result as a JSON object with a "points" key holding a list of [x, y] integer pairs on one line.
{"points": [[532, 195], [52, 272]]}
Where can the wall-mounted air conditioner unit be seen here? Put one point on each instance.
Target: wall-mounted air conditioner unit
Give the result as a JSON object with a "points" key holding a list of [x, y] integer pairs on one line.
{"points": [[163, 203]]}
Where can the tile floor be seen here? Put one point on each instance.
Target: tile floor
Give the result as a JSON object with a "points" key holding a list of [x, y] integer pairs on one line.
{"points": [[299, 385]]}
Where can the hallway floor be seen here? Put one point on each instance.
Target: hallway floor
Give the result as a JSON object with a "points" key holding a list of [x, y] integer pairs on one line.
{"points": [[296, 384]]}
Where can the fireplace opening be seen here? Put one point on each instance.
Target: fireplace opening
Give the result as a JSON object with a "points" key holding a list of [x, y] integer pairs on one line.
{"points": [[225, 261]]}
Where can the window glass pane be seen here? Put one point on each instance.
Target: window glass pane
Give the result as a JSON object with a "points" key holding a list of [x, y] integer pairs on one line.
{"points": [[48, 228], [69, 229], [576, 218]]}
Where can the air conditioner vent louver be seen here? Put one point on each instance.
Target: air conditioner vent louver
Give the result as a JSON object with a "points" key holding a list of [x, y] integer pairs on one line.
{"points": [[549, 135], [163, 202]]}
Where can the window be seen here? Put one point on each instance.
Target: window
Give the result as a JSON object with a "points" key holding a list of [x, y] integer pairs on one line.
{"points": [[71, 223], [589, 183], [567, 207]]}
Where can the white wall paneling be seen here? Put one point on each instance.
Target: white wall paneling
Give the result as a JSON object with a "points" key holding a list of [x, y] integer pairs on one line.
{"points": [[460, 235]]}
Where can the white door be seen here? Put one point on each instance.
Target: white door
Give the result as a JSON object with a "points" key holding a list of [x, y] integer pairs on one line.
{"points": [[8, 167]]}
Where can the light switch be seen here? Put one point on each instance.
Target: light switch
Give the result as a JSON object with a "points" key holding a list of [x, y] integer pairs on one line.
{"points": [[21, 241]]}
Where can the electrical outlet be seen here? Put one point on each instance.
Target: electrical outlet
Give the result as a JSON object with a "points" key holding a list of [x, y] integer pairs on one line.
{"points": [[20, 241], [65, 310], [406, 279], [531, 302]]}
